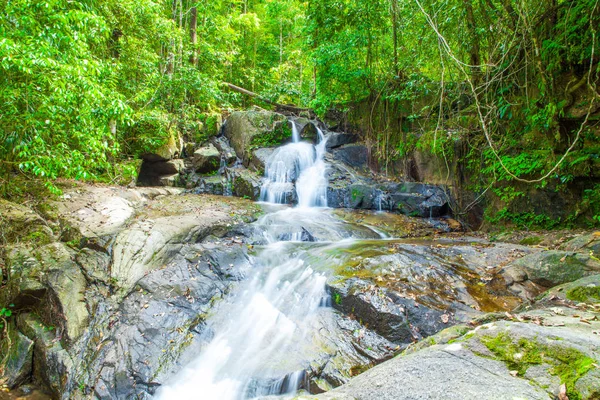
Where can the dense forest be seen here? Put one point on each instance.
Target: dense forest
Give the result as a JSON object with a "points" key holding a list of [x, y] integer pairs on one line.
{"points": [[507, 89]]}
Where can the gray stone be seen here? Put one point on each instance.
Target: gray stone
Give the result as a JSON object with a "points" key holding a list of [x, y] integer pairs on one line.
{"points": [[337, 139], [353, 155], [450, 373], [260, 158], [244, 183], [551, 268], [19, 358], [207, 159], [227, 152]]}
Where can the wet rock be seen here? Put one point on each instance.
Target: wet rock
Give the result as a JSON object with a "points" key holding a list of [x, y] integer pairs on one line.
{"points": [[207, 159], [337, 139], [162, 325], [228, 155], [16, 358], [412, 290], [306, 236], [260, 158], [391, 316], [349, 189], [52, 365], [310, 133], [258, 128], [353, 155], [244, 183], [159, 234], [551, 268], [215, 184]]}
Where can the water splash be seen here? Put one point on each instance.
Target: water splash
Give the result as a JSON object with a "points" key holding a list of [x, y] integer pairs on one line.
{"points": [[297, 171]]}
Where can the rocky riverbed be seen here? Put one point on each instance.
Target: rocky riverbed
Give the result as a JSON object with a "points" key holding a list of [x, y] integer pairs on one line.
{"points": [[114, 292]]}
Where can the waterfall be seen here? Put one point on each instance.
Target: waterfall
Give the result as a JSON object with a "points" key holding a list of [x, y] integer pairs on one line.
{"points": [[263, 332], [297, 172]]}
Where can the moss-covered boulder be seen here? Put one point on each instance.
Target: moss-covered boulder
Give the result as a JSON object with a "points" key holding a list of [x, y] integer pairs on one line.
{"points": [[552, 268], [244, 183], [207, 159], [19, 224], [247, 130], [585, 243], [584, 290], [16, 358], [498, 360]]}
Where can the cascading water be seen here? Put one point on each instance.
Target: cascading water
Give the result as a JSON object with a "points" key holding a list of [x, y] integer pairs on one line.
{"points": [[300, 163], [262, 333]]}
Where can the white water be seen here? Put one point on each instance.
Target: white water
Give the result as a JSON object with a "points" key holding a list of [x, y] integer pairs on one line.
{"points": [[265, 330], [298, 163]]}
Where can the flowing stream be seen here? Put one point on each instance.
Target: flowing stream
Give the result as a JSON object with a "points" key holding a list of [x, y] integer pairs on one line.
{"points": [[265, 332]]}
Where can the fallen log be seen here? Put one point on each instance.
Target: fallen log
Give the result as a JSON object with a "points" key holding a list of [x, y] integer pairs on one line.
{"points": [[285, 107]]}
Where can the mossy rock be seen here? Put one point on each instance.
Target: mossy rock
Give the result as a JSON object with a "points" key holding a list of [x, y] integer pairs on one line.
{"points": [[16, 358], [566, 363], [19, 224], [248, 130], [552, 268]]}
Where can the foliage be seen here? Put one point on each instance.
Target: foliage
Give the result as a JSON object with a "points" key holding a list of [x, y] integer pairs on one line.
{"points": [[87, 86], [4, 314]]}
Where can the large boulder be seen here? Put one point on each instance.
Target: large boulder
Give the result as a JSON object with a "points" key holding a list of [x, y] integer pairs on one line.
{"points": [[244, 183], [160, 232], [258, 128], [48, 280], [551, 268], [408, 291], [349, 189], [160, 173], [207, 159], [337, 139], [353, 155], [499, 360], [260, 157]]}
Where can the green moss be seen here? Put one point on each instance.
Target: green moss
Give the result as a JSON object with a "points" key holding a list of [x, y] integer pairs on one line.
{"points": [[280, 132], [531, 241], [584, 293], [566, 363]]}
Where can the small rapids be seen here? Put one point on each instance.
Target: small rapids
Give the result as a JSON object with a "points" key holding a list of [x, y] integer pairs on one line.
{"points": [[264, 333]]}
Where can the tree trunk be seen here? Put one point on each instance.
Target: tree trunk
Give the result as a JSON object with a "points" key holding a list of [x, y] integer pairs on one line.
{"points": [[194, 35], [395, 35], [475, 60]]}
